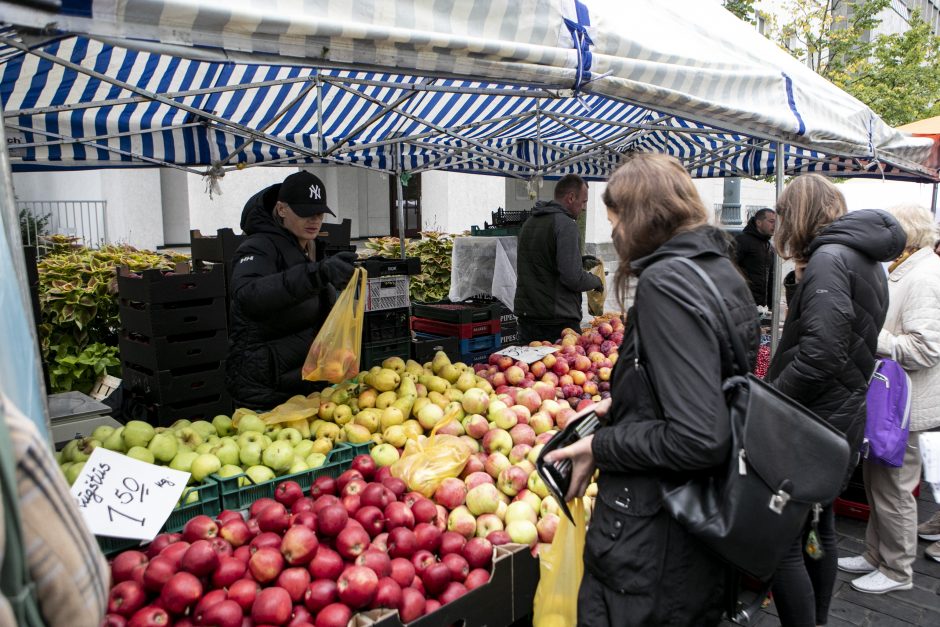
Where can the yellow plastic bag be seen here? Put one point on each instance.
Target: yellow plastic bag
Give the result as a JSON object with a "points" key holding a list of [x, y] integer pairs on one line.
{"points": [[561, 568], [426, 462], [596, 298], [334, 354]]}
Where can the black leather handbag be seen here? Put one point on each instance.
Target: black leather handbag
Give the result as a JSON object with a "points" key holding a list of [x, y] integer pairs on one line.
{"points": [[784, 460]]}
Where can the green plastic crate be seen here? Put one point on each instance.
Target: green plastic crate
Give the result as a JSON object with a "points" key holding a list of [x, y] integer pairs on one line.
{"points": [[112, 546], [235, 497]]}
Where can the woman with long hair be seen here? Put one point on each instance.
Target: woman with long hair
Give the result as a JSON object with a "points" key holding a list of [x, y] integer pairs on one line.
{"points": [[641, 566], [826, 354]]}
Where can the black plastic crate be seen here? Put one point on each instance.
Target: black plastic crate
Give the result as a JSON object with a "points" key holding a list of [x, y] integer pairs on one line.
{"points": [[386, 325], [181, 384], [375, 354], [383, 266], [218, 248], [459, 313], [173, 319], [425, 346], [166, 413], [509, 335], [335, 234], [504, 313], [174, 351], [157, 287]]}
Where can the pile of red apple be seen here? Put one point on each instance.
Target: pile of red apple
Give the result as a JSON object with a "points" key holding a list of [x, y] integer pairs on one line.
{"points": [[357, 542]]}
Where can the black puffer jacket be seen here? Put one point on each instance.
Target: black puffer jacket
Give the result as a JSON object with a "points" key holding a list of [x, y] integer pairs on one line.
{"points": [[633, 546], [755, 256], [550, 275], [827, 351], [278, 304]]}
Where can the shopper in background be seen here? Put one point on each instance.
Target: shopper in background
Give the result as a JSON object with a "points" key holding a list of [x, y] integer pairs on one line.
{"points": [[911, 337], [641, 566], [826, 353], [64, 563], [550, 277], [282, 290], [755, 255]]}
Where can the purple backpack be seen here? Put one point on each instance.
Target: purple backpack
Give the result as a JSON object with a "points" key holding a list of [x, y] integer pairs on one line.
{"points": [[889, 414]]}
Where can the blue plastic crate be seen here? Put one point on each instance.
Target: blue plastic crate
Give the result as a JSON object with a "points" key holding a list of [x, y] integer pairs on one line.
{"points": [[478, 344]]}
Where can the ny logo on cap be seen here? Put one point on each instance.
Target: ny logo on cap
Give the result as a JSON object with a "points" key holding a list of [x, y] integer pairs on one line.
{"points": [[315, 192]]}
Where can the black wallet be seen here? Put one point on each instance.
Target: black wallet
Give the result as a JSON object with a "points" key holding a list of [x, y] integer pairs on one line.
{"points": [[557, 475]]}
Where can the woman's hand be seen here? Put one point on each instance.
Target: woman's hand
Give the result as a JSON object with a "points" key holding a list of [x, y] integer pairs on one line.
{"points": [[582, 465]]}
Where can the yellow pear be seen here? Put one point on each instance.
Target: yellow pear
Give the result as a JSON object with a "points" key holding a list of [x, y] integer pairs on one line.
{"points": [[407, 387], [449, 373], [385, 399], [368, 419], [378, 439], [342, 414], [440, 360], [326, 393], [414, 368], [466, 381], [390, 417], [437, 384], [357, 434], [404, 405], [385, 380], [322, 446], [326, 410], [462, 367], [328, 430], [301, 426], [315, 424], [453, 394], [484, 385], [367, 398], [412, 428], [395, 435], [394, 363], [438, 399]]}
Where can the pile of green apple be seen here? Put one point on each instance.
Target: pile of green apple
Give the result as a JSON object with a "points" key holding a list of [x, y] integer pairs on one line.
{"points": [[258, 451]]}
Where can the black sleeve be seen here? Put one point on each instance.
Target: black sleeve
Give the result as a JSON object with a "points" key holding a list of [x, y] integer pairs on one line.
{"points": [[571, 273], [260, 289], [683, 358]]}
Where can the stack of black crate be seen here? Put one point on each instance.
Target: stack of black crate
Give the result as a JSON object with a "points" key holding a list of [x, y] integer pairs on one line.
{"points": [[211, 250], [386, 327], [174, 340]]}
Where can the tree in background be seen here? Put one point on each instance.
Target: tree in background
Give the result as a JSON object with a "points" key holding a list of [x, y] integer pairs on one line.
{"points": [[744, 9]]}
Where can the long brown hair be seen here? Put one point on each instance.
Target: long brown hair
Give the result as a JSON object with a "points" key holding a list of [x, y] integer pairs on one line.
{"points": [[809, 204], [654, 199]]}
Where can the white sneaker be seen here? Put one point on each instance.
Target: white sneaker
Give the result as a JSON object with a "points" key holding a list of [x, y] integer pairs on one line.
{"points": [[878, 583], [857, 564]]}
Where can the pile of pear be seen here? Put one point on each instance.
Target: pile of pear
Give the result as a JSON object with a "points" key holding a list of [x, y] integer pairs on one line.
{"points": [[254, 451], [395, 402]]}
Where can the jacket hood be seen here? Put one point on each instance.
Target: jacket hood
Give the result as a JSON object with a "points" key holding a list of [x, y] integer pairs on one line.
{"points": [[751, 229], [872, 232], [257, 216], [700, 242], [545, 207]]}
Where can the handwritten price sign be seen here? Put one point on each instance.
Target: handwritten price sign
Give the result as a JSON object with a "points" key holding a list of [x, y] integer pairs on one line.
{"points": [[122, 497], [528, 354]]}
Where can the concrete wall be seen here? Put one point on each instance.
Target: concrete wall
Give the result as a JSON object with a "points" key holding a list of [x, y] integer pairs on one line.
{"points": [[453, 203]]}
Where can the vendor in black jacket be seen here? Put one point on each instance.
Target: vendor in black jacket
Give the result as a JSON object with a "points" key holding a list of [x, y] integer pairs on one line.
{"points": [[755, 255], [641, 566], [282, 290]]}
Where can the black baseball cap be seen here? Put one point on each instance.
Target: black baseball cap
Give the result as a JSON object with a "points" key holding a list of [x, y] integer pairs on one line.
{"points": [[305, 193]]}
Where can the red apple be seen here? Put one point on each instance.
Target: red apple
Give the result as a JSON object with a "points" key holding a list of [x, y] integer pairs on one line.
{"points": [[126, 598], [376, 495], [435, 578], [331, 520], [230, 570], [402, 542], [149, 616], [244, 592], [371, 518], [452, 592], [424, 510], [181, 592], [387, 594], [402, 571], [274, 517], [354, 487], [175, 553], [266, 539], [300, 617], [334, 615], [200, 558], [428, 537], [380, 542], [209, 599], [295, 581], [242, 553], [345, 478], [411, 498], [412, 605], [382, 473], [452, 542], [306, 518], [235, 531], [323, 485], [114, 620], [476, 578], [303, 504], [378, 561], [357, 586], [326, 564], [272, 606], [451, 493], [226, 515], [319, 594], [351, 503], [498, 537], [365, 465], [123, 565], [398, 514], [421, 560], [200, 527], [161, 542], [396, 485], [351, 542], [158, 572], [259, 506], [223, 614], [325, 501], [478, 552], [287, 492], [266, 564], [459, 568], [253, 526], [299, 545]]}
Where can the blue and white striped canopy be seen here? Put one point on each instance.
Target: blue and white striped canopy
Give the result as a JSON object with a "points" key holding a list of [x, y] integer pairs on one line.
{"points": [[530, 89]]}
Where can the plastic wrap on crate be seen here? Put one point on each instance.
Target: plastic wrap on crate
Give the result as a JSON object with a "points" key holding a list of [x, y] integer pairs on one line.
{"points": [[484, 265]]}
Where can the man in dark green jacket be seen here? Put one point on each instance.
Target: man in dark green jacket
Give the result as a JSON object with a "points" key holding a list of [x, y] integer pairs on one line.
{"points": [[550, 277]]}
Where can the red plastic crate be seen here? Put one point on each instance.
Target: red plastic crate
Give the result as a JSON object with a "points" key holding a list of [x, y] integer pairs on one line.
{"points": [[462, 331]]}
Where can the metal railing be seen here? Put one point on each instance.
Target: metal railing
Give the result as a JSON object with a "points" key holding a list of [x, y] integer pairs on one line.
{"points": [[84, 219], [735, 215]]}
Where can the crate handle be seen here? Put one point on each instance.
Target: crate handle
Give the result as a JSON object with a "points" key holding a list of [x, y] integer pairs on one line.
{"points": [[193, 351], [190, 318]]}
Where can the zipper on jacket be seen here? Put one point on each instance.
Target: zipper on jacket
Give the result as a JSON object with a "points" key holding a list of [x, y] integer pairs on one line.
{"points": [[742, 465]]}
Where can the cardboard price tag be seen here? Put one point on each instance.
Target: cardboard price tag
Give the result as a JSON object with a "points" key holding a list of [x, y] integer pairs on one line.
{"points": [[122, 497], [528, 354]]}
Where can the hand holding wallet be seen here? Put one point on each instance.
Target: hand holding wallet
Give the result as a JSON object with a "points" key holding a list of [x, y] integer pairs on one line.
{"points": [[557, 475]]}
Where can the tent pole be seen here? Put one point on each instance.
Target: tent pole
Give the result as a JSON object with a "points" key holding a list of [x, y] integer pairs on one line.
{"points": [[398, 158], [778, 262], [933, 201]]}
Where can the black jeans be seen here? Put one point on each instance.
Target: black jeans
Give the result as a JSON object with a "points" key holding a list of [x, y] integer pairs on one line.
{"points": [[539, 332], [803, 585]]}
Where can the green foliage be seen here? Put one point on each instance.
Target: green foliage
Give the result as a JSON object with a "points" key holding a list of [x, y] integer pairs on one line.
{"points": [[435, 251], [33, 227], [902, 82], [79, 308], [744, 9]]}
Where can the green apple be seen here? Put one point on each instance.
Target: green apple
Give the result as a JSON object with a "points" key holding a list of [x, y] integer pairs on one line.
{"points": [[384, 454], [204, 428], [250, 422], [272, 430], [303, 448], [164, 447], [227, 452], [84, 449], [250, 437], [189, 438], [265, 441], [190, 498], [222, 424], [205, 465], [115, 441], [182, 423], [279, 456], [250, 454], [73, 471], [213, 440], [204, 448], [229, 470], [315, 460], [137, 433], [58, 457], [298, 465], [259, 474], [141, 453], [291, 435], [68, 451], [183, 460], [102, 432]]}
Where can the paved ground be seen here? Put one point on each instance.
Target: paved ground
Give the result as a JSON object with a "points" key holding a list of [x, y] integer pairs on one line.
{"points": [[918, 606]]}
